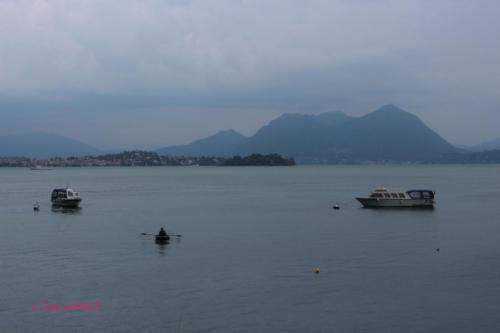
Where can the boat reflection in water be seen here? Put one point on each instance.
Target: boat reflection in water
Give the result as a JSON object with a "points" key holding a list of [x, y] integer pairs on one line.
{"points": [[163, 244], [65, 210]]}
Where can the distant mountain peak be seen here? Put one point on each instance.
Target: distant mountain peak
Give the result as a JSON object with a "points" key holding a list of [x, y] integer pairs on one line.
{"points": [[391, 113], [228, 132], [389, 107], [222, 143]]}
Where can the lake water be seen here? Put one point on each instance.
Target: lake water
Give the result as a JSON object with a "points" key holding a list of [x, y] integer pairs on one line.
{"points": [[251, 239]]}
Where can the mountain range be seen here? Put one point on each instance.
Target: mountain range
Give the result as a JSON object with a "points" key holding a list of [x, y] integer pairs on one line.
{"points": [[488, 145], [43, 145], [387, 134]]}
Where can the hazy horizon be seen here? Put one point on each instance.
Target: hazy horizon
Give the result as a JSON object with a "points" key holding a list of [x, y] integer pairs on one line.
{"points": [[148, 74], [124, 148]]}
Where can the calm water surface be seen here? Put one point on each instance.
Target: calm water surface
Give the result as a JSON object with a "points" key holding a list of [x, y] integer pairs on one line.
{"points": [[251, 238]]}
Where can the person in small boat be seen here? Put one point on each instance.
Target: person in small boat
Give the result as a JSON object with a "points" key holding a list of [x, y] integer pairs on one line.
{"points": [[162, 233]]}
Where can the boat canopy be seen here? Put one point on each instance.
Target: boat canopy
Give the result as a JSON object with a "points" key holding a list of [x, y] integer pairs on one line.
{"points": [[421, 194], [421, 190], [58, 192], [64, 192], [387, 195]]}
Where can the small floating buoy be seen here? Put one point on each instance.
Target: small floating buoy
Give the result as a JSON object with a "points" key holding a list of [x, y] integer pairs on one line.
{"points": [[336, 207], [316, 270], [437, 250]]}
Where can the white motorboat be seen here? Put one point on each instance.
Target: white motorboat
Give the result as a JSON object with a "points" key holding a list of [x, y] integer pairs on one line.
{"points": [[65, 198], [382, 197], [39, 168]]}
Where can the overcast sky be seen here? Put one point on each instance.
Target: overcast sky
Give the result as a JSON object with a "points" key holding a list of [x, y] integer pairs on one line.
{"points": [[146, 73]]}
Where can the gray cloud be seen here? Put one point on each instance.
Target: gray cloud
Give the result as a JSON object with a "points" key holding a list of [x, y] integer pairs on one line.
{"points": [[153, 67]]}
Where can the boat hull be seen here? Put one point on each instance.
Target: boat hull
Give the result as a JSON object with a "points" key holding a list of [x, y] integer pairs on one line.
{"points": [[162, 239], [67, 203], [387, 203]]}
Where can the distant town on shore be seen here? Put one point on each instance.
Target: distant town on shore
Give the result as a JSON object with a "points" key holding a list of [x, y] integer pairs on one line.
{"points": [[145, 158]]}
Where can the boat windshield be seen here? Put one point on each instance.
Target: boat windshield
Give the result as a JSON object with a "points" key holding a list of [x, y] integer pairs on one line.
{"points": [[415, 195], [421, 194], [427, 195]]}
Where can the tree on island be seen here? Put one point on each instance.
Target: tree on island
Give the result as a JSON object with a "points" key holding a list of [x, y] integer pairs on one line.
{"points": [[259, 160]]}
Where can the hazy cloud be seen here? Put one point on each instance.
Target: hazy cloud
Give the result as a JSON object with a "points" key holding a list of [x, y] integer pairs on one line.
{"points": [[150, 67]]}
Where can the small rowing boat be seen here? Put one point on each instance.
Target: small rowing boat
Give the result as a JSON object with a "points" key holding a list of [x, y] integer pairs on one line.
{"points": [[162, 239]]}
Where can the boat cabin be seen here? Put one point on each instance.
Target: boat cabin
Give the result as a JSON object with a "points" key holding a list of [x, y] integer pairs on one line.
{"points": [[381, 197], [64, 193], [382, 193]]}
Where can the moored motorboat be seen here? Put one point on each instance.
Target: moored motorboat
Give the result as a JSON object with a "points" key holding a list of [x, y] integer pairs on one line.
{"points": [[65, 198], [39, 168], [413, 198]]}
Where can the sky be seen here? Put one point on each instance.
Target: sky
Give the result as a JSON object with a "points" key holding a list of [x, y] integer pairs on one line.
{"points": [[152, 73]]}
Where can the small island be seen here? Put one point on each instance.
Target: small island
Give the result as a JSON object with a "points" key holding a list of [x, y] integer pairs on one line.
{"points": [[259, 160]]}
